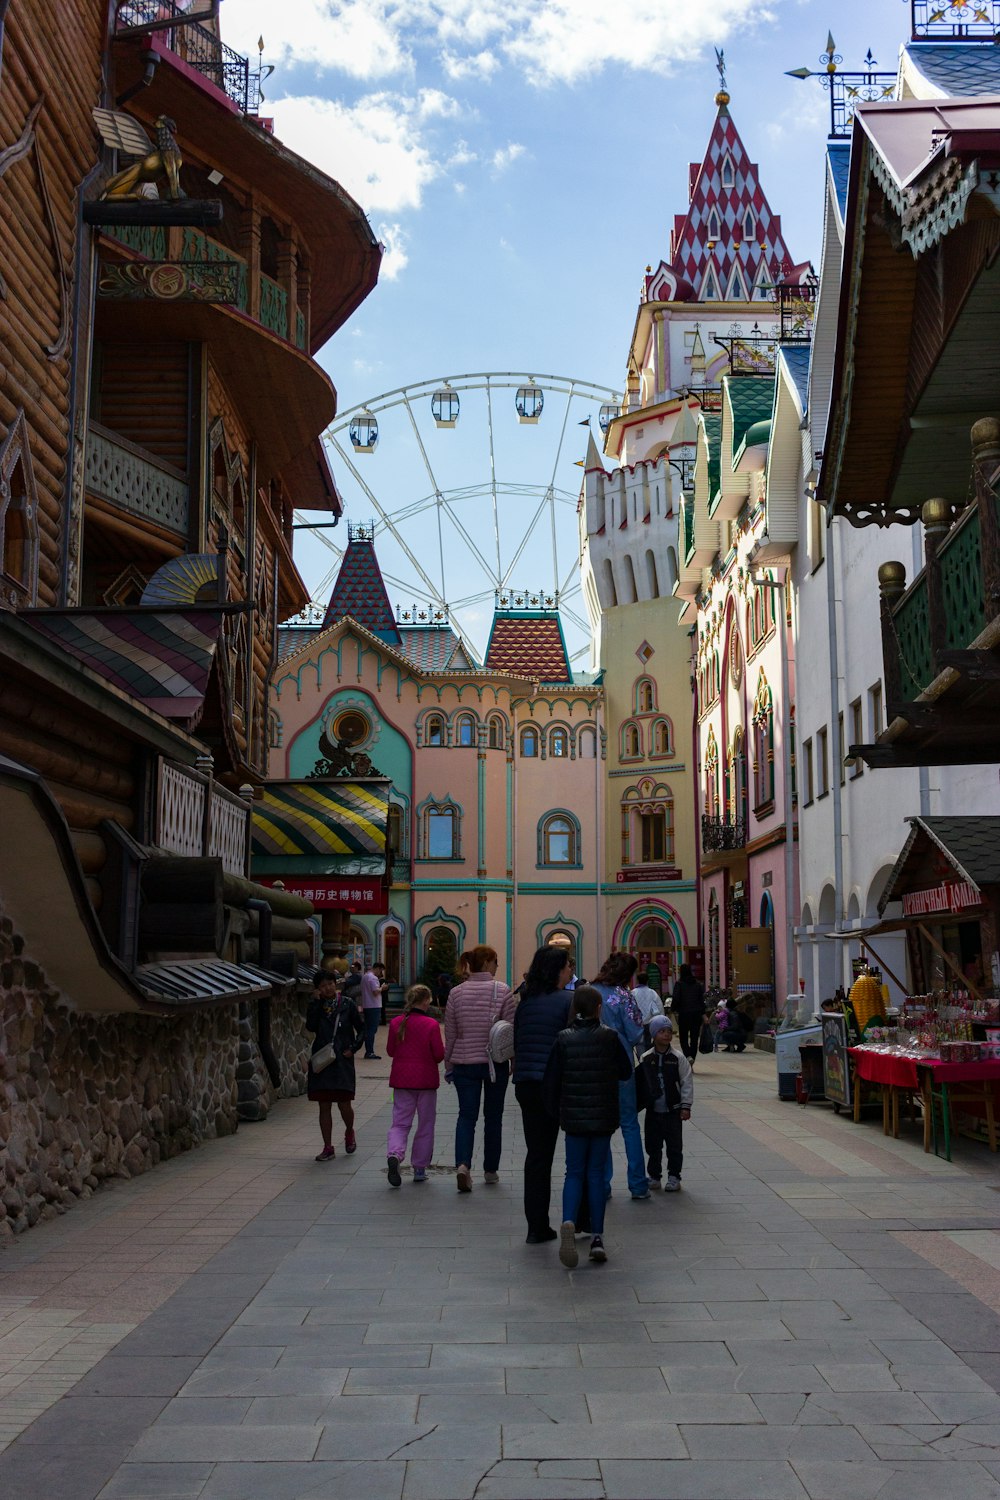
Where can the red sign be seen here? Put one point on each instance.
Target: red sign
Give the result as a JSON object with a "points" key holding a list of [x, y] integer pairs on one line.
{"points": [[650, 872], [953, 896], [356, 893]]}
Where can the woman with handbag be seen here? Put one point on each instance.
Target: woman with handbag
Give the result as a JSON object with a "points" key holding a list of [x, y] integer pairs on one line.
{"points": [[474, 1008], [339, 1032]]}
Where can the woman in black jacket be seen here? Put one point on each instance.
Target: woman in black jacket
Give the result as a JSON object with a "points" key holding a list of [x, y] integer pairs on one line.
{"points": [[581, 1082], [335, 1019], [540, 1016], [689, 1007]]}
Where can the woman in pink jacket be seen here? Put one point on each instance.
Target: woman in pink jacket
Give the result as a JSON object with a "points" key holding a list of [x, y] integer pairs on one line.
{"points": [[416, 1048], [473, 1007]]}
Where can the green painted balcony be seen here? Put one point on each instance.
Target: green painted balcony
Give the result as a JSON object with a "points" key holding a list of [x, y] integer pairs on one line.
{"points": [[959, 561]]}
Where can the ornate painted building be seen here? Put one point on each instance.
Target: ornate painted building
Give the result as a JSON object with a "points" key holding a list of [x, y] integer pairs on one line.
{"points": [[492, 775]]}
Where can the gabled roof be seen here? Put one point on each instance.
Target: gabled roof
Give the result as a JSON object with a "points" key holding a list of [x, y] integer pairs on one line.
{"points": [[530, 644], [434, 648], [751, 398], [951, 70], [796, 359], [969, 847], [360, 592], [714, 189], [838, 156]]}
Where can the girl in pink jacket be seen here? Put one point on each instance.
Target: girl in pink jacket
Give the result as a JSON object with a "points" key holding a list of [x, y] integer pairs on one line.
{"points": [[416, 1047]]}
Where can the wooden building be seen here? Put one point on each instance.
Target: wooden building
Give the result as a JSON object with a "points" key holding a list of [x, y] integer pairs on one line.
{"points": [[160, 419]]}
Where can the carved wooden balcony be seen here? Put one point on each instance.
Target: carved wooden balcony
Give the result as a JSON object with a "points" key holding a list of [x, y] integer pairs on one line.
{"points": [[195, 817], [135, 480]]}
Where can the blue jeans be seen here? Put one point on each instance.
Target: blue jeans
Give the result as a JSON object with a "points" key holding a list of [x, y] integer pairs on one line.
{"points": [[372, 1015], [472, 1083], [633, 1142], [587, 1160]]}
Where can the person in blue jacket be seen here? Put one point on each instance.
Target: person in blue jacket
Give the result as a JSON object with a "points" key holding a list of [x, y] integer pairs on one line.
{"points": [[622, 1014], [542, 1013]]}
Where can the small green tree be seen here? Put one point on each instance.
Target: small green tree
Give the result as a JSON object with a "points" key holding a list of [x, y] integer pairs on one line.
{"points": [[440, 956]]}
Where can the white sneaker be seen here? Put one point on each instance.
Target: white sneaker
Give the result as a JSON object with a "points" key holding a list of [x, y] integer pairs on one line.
{"points": [[673, 1185]]}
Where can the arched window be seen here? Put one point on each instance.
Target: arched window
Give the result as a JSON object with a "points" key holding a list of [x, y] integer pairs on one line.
{"points": [[711, 776], [648, 825], [394, 828], [631, 742], [736, 789], [749, 225], [662, 745], [714, 225], [713, 940], [559, 840], [728, 171], [529, 743], [497, 734], [586, 744], [645, 696], [763, 746], [434, 730], [559, 743], [440, 951], [466, 730], [19, 547], [440, 829]]}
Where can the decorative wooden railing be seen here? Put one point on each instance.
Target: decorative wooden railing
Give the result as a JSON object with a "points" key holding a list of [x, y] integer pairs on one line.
{"points": [[136, 480], [195, 817]]}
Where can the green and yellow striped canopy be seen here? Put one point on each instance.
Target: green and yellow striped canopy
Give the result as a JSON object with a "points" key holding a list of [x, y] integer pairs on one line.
{"points": [[321, 817]]}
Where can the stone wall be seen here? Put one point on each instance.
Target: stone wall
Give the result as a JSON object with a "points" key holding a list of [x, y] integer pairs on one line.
{"points": [[84, 1098], [291, 1044]]}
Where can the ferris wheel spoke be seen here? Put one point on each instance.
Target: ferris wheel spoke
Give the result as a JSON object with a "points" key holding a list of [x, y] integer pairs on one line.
{"points": [[390, 524], [434, 484], [524, 542], [550, 494], [493, 473], [463, 533]]}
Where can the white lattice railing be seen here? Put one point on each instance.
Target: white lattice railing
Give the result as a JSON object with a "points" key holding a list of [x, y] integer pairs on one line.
{"points": [[181, 825]]}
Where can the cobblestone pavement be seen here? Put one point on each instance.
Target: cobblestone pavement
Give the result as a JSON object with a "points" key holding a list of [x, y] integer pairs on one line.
{"points": [[816, 1314]]}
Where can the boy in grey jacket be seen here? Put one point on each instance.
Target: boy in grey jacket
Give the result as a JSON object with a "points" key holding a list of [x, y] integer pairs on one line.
{"points": [[664, 1084]]}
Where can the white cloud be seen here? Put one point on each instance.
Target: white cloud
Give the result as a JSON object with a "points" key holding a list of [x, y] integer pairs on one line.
{"points": [[373, 148], [395, 259], [481, 65], [560, 41], [433, 103], [506, 156]]}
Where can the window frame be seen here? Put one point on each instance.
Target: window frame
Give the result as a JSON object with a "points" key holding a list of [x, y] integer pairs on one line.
{"points": [[857, 735], [435, 723], [466, 722], [823, 761], [810, 780], [529, 731]]}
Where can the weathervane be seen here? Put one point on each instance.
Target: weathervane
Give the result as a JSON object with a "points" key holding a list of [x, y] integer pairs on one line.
{"points": [[848, 90], [722, 97]]}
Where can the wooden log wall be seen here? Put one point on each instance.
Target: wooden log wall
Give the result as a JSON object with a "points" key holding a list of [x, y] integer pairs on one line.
{"points": [[142, 393], [38, 266]]}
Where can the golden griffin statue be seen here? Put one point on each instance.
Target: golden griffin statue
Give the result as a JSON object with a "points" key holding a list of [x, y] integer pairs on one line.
{"points": [[153, 161]]}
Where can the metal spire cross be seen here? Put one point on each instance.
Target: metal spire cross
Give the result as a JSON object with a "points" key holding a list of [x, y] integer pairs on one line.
{"points": [[848, 90]]}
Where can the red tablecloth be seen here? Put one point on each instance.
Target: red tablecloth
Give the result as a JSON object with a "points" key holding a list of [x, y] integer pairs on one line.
{"points": [[901, 1072], [882, 1067]]}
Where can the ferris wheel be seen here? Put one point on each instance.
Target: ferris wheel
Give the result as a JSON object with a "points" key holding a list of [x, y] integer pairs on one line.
{"points": [[471, 485]]}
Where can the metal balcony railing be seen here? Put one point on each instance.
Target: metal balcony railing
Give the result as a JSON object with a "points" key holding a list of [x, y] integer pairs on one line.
{"points": [[720, 835], [197, 45]]}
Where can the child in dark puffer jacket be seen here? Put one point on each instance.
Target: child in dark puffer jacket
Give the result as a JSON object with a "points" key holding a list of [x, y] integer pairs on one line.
{"points": [[581, 1086]]}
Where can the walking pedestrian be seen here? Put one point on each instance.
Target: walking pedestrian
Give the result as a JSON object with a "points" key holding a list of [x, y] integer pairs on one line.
{"points": [[623, 1016], [371, 1009], [647, 999], [352, 983], [416, 1047], [336, 1022], [542, 1013], [473, 1007], [585, 1071], [689, 1007], [664, 1082]]}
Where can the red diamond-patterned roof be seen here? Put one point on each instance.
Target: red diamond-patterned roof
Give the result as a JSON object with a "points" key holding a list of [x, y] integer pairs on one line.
{"points": [[529, 646], [360, 592], [729, 195]]}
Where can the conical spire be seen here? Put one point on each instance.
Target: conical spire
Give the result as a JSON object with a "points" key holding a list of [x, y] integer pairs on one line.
{"points": [[359, 590], [729, 240], [593, 459]]}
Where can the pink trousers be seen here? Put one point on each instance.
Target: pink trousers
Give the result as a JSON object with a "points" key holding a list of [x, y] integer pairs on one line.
{"points": [[405, 1104]]}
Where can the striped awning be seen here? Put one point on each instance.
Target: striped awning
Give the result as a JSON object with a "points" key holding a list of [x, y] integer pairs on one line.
{"points": [[162, 658], [321, 817]]}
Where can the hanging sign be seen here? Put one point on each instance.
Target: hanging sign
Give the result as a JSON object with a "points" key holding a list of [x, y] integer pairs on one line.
{"points": [[953, 896]]}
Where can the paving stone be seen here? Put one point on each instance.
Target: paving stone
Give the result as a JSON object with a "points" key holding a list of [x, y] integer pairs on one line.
{"points": [[224, 1411], [516, 1479], [771, 1441], [673, 1406], [962, 1406], [567, 1440], [92, 1420], [964, 1481], [296, 1481], [449, 1406], [443, 1479], [126, 1375], [176, 1481], [700, 1480], [221, 1444]]}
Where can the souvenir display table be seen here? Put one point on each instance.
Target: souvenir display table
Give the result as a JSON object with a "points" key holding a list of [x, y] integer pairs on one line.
{"points": [[939, 1086]]}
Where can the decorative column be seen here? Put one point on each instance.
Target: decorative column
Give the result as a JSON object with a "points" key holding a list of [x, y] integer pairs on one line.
{"points": [[305, 299], [288, 281], [250, 250], [892, 586]]}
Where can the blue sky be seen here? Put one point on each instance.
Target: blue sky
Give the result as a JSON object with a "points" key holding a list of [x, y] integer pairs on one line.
{"points": [[522, 162]]}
